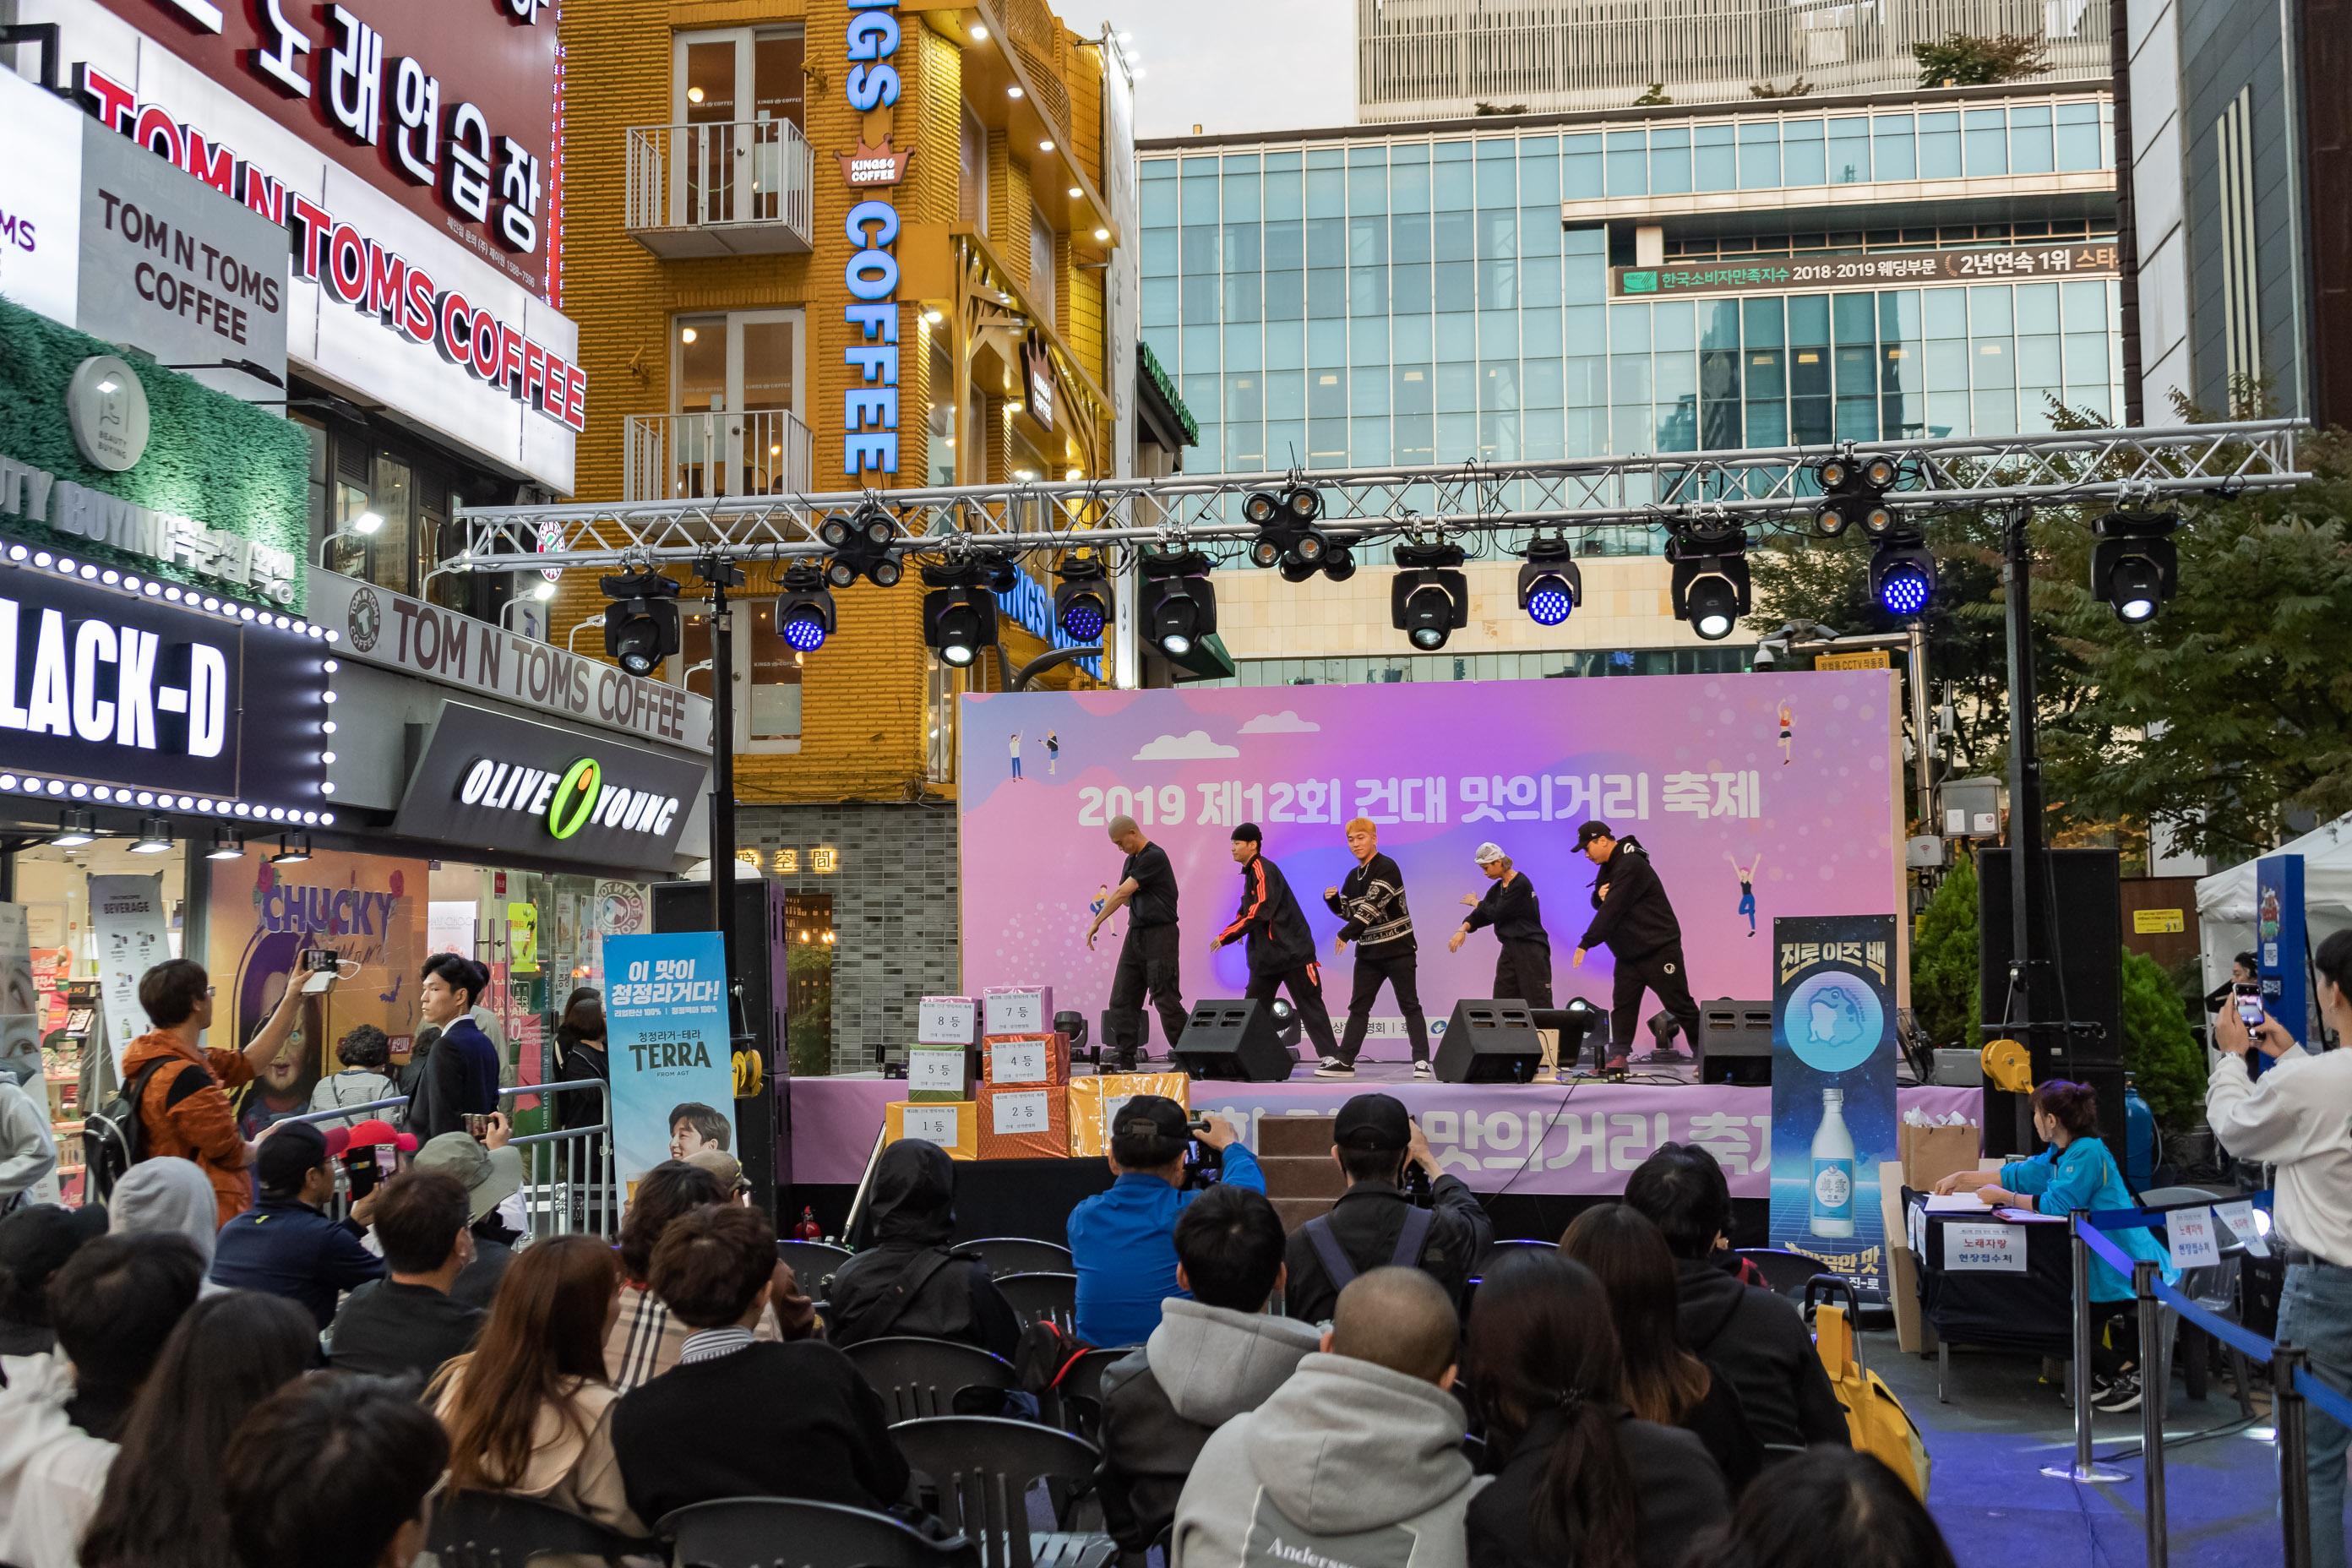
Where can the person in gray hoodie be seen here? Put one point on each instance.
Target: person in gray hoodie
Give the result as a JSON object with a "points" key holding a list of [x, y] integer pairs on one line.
{"points": [[1356, 1461], [1211, 1359]]}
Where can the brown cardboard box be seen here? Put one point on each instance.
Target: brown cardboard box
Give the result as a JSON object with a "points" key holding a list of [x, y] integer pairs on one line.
{"points": [[1912, 1334], [1930, 1153]]}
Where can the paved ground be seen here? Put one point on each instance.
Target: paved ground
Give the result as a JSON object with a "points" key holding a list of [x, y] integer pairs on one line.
{"points": [[2003, 1424]]}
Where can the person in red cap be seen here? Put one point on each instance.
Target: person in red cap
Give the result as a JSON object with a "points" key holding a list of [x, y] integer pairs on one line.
{"points": [[284, 1244]]}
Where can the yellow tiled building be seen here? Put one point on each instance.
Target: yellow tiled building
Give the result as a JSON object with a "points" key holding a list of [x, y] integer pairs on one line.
{"points": [[816, 248]]}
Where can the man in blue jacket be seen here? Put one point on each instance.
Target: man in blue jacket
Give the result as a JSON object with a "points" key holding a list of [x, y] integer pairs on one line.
{"points": [[283, 1245], [1281, 947], [1124, 1240]]}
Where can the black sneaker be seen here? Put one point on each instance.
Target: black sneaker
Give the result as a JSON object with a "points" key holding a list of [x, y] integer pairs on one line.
{"points": [[2121, 1394], [1333, 1067]]}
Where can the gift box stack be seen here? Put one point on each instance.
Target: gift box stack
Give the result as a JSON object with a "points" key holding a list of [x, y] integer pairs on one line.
{"points": [[1094, 1100], [940, 1069], [1026, 1075]]}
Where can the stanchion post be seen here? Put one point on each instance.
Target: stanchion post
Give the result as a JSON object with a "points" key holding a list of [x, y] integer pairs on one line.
{"points": [[2294, 1456], [2078, 1379], [2151, 1410]]}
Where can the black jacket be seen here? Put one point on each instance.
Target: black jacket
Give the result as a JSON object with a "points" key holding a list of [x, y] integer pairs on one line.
{"points": [[791, 1420], [1633, 918], [285, 1247], [390, 1330], [460, 1078], [1756, 1341], [581, 1060], [1367, 1221], [1678, 1492], [911, 1281], [1372, 900], [1510, 907], [1280, 940]]}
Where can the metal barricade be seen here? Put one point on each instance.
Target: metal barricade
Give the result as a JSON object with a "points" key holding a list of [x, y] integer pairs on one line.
{"points": [[571, 1182], [2078, 1380]]}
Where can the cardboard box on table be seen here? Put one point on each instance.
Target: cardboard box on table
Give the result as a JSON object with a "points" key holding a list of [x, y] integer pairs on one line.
{"points": [[1913, 1335], [1928, 1154], [1024, 1121], [953, 1125], [1016, 1010], [938, 1073], [1090, 1097], [1040, 1061]]}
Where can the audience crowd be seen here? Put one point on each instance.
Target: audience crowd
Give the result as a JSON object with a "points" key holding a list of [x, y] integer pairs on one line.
{"points": [[309, 1385]]}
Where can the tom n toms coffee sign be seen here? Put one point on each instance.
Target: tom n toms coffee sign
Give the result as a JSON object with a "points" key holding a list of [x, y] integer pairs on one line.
{"points": [[504, 783]]}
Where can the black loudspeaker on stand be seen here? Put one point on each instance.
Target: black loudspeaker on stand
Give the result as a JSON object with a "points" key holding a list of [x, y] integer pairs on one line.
{"points": [[1737, 1041], [1233, 1038], [1489, 1041], [2078, 982]]}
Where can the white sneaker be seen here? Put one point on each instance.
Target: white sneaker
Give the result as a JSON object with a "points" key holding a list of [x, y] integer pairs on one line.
{"points": [[1334, 1068], [1423, 1071]]}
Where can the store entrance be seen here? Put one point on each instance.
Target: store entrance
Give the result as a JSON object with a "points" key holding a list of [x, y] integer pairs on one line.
{"points": [[808, 928]]}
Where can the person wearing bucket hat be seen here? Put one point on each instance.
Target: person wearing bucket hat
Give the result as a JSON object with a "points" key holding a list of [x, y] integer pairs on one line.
{"points": [[284, 1245], [491, 1175]]}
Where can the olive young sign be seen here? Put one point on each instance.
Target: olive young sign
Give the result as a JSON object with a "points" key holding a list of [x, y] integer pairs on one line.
{"points": [[504, 783], [107, 687]]}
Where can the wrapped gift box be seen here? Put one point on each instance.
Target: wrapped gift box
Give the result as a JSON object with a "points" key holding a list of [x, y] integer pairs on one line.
{"points": [[1041, 1060], [947, 1021], [937, 1073], [953, 1125], [1018, 1122], [1016, 1010], [1090, 1097]]}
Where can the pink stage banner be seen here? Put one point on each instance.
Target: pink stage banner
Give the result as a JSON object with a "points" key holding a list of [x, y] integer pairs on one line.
{"points": [[1532, 1138], [1781, 784]]}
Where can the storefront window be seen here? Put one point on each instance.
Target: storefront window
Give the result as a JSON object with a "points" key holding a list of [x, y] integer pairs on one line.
{"points": [[808, 965], [772, 680], [942, 424]]}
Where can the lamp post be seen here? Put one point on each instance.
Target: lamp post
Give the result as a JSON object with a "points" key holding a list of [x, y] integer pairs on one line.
{"points": [[362, 526]]}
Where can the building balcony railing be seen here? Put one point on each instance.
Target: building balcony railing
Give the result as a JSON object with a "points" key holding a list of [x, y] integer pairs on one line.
{"points": [[734, 188], [682, 457]]}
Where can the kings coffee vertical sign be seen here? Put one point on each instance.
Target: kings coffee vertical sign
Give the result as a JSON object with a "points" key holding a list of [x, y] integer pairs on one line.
{"points": [[1833, 1088]]}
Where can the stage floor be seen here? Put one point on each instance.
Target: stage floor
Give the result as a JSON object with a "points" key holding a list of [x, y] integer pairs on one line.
{"points": [[1582, 1137]]}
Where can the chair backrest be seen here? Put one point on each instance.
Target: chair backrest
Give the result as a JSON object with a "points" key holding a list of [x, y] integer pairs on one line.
{"points": [[982, 1467], [761, 1531], [492, 1530], [814, 1262], [1786, 1272], [1080, 1390], [1494, 1254], [919, 1378], [1049, 1298], [1020, 1255]]}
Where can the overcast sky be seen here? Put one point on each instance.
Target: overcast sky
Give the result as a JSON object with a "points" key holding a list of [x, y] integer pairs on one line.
{"points": [[1232, 65]]}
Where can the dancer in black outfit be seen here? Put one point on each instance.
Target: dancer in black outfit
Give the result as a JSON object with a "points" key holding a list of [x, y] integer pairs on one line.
{"points": [[1523, 966], [1281, 948], [1372, 900], [1147, 959], [1634, 918]]}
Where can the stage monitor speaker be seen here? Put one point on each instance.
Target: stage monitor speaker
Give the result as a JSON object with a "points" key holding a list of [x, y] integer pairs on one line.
{"points": [[1489, 1041], [1735, 1041], [1233, 1038], [1576, 1023], [2082, 982]]}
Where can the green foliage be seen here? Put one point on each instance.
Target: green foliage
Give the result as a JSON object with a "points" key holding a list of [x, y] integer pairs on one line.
{"points": [[1653, 98], [1482, 107], [209, 455], [2159, 1052], [1800, 88], [808, 973], [1957, 59], [1944, 961]]}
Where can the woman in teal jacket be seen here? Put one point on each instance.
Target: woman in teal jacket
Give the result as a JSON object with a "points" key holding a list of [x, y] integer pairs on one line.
{"points": [[2076, 1171]]}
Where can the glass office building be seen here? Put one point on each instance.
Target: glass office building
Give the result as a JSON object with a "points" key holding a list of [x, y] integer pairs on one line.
{"points": [[1459, 291]]}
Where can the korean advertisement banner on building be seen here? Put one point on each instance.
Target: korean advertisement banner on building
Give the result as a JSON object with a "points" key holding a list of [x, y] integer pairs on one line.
{"points": [[1833, 1053], [370, 909], [670, 1048], [1755, 796]]}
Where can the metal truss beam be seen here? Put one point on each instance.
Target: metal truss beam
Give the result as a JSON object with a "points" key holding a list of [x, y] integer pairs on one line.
{"points": [[1754, 488]]}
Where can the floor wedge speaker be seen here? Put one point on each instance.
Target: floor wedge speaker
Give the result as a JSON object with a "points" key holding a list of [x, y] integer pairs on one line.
{"points": [[1735, 1041], [1489, 1041], [1233, 1038]]}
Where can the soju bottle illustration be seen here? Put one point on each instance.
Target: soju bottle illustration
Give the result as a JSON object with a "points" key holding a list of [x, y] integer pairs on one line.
{"points": [[1832, 1169]]}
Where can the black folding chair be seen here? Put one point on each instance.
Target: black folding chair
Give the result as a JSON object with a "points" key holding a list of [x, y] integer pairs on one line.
{"points": [[1019, 1254], [1787, 1273], [981, 1469], [766, 1531], [1080, 1390], [492, 1530], [1042, 1298], [919, 1378], [814, 1263]]}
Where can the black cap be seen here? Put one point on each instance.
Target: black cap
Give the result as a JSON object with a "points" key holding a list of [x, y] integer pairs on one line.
{"points": [[289, 1154], [1375, 1123], [1591, 831], [35, 1241], [1152, 1116], [1247, 833]]}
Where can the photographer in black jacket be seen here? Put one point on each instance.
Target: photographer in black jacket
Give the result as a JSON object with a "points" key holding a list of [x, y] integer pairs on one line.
{"points": [[1635, 919], [1372, 900], [1374, 1224], [1281, 947]]}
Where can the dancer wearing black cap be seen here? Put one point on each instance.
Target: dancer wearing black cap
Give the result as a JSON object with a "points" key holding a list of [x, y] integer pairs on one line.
{"points": [[1281, 947], [1634, 918], [1374, 1225]]}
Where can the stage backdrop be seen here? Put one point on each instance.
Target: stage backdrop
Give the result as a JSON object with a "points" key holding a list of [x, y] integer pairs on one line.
{"points": [[1696, 766]]}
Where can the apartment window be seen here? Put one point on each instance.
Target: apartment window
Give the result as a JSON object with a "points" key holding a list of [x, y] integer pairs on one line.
{"points": [[738, 74], [767, 672], [971, 190], [1041, 264], [736, 426], [2233, 151], [939, 721]]}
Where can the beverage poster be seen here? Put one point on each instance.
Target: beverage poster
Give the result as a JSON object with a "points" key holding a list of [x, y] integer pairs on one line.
{"points": [[2278, 941], [128, 924], [670, 1046], [20, 1003], [1833, 1055]]}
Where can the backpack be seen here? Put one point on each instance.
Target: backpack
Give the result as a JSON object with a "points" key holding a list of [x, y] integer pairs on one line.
{"points": [[1880, 1427], [115, 1138], [1410, 1241]]}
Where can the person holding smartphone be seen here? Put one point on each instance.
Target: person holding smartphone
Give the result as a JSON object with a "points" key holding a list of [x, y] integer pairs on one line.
{"points": [[285, 1244]]}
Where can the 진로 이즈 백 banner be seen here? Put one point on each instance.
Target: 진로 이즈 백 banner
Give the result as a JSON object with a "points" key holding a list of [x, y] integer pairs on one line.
{"points": [[670, 1044], [1833, 1088]]}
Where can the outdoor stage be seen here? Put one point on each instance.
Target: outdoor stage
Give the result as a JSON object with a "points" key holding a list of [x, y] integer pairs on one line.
{"points": [[1540, 1138]]}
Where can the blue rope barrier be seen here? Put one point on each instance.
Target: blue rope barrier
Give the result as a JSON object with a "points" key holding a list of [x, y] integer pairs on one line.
{"points": [[2221, 1327], [2328, 1399]]}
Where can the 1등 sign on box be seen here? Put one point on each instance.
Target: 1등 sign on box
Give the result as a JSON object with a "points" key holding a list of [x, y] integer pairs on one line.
{"points": [[1023, 1123], [953, 1125], [1094, 1100], [1041, 1059]]}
